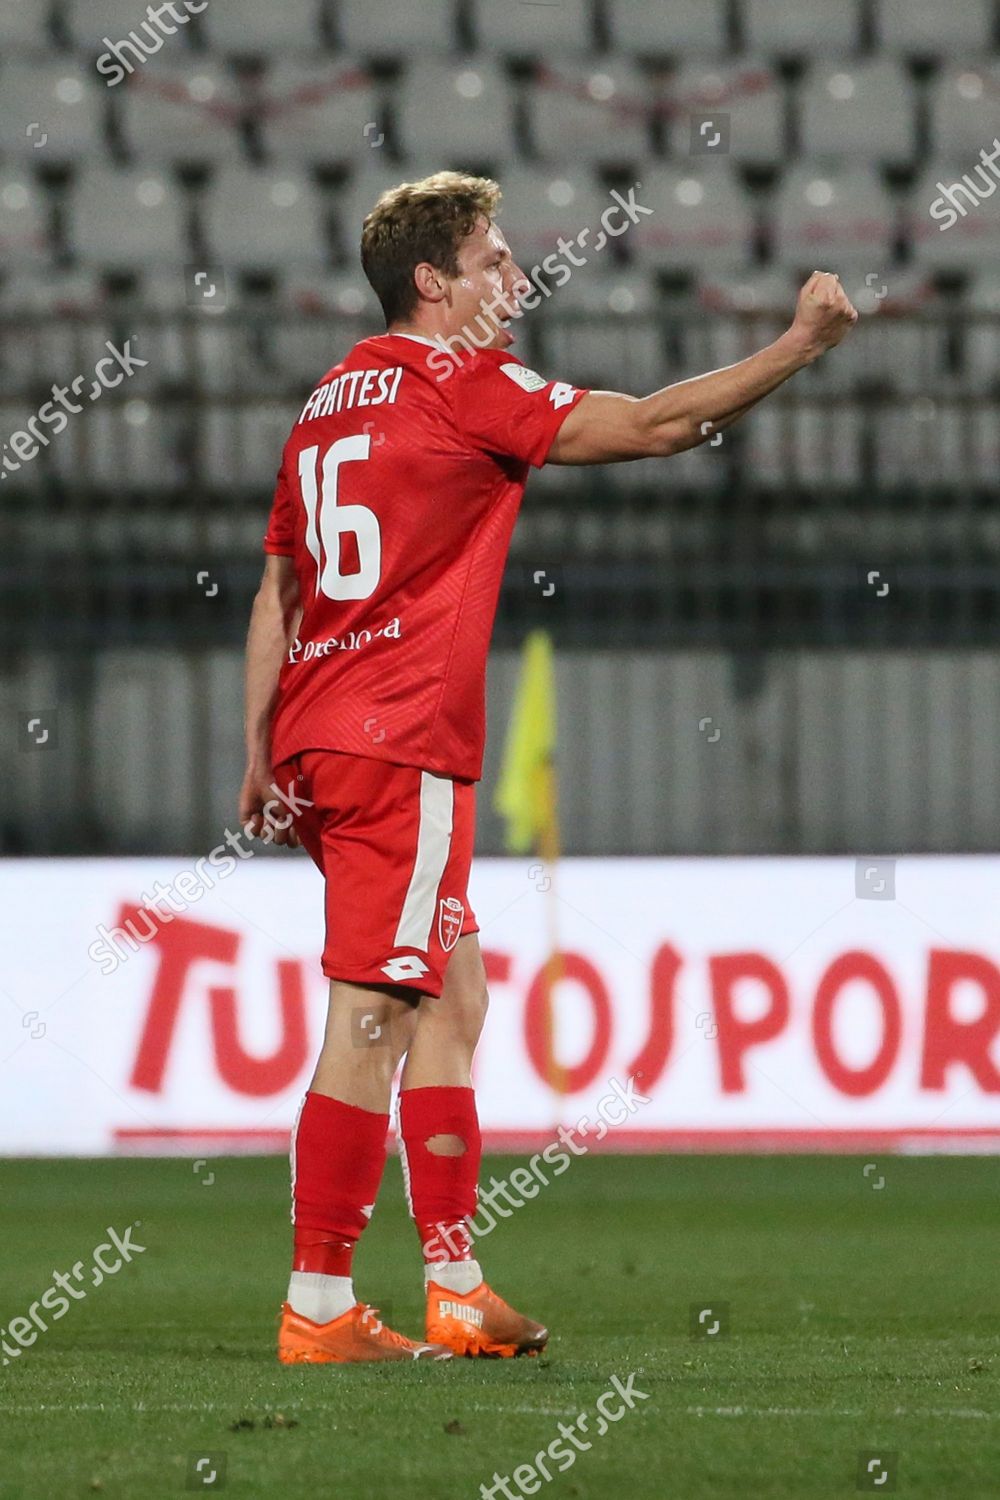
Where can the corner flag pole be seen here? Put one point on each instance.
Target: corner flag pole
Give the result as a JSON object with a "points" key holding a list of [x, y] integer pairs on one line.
{"points": [[527, 798], [555, 966]]}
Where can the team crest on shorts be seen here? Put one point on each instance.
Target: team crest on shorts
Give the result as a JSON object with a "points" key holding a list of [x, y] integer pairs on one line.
{"points": [[451, 913]]}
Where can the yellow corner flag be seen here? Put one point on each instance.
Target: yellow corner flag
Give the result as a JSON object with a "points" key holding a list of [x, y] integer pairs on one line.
{"points": [[526, 790], [527, 797]]}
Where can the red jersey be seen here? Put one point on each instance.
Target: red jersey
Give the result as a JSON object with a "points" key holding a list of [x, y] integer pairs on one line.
{"points": [[397, 496]]}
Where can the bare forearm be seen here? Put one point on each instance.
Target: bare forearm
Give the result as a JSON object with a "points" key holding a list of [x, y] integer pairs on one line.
{"points": [[273, 623], [608, 427], [688, 413]]}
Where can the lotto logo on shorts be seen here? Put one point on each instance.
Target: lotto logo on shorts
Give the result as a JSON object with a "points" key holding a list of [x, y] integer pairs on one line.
{"points": [[451, 913], [404, 966]]}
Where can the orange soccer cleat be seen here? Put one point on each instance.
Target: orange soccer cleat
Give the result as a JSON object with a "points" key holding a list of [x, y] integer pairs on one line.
{"points": [[356, 1336], [480, 1324]]}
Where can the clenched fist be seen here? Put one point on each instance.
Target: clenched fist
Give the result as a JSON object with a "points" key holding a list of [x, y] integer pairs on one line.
{"points": [[824, 313]]}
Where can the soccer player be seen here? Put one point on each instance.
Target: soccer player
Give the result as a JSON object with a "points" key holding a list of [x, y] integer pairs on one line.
{"points": [[395, 502]]}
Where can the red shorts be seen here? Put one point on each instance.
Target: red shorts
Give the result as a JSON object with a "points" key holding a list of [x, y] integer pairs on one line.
{"points": [[394, 844]]}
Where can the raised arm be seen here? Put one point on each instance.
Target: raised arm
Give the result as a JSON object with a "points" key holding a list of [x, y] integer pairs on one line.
{"points": [[606, 427], [273, 623]]}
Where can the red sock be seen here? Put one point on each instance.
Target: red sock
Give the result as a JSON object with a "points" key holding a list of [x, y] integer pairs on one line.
{"points": [[338, 1155], [441, 1189]]}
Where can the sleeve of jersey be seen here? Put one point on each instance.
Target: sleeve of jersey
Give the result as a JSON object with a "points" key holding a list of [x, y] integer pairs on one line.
{"points": [[279, 539], [502, 407]]}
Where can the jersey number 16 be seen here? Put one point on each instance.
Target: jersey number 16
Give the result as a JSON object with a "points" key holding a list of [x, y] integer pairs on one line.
{"points": [[327, 522]]}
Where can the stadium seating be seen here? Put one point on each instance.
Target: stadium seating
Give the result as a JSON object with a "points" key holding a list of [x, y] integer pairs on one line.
{"points": [[930, 440], [953, 217], [541, 204], [747, 93], [14, 417], [590, 113], [613, 86], [257, 138], [580, 342], [367, 183], [319, 315], [318, 112], [963, 109], [463, 108], [265, 30], [70, 333], [543, 29], [702, 218], [982, 341], [127, 218], [928, 28], [263, 219], [762, 298], [674, 28], [23, 219], [177, 114], [781, 29], [804, 446], [24, 27], [840, 219], [94, 24], [241, 444], [864, 111], [396, 27], [150, 445], [51, 111]]}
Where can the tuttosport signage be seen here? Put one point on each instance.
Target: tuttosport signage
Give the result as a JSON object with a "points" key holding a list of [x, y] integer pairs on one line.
{"points": [[701, 1004]]}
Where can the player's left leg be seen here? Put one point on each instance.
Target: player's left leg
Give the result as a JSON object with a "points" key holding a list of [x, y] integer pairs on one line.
{"points": [[441, 1151]]}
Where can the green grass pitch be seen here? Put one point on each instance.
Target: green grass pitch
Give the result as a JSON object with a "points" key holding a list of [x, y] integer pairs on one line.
{"points": [[863, 1320]]}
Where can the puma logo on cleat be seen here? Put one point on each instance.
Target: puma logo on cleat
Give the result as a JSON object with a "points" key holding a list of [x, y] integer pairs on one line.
{"points": [[472, 1315]]}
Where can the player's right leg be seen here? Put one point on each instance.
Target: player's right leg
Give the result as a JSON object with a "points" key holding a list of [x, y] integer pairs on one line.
{"points": [[339, 1143], [338, 1155]]}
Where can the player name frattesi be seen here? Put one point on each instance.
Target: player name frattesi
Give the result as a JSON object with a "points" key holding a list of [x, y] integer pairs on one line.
{"points": [[353, 388]]}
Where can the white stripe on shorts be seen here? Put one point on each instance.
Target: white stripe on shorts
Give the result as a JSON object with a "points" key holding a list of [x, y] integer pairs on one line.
{"points": [[437, 803]]}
